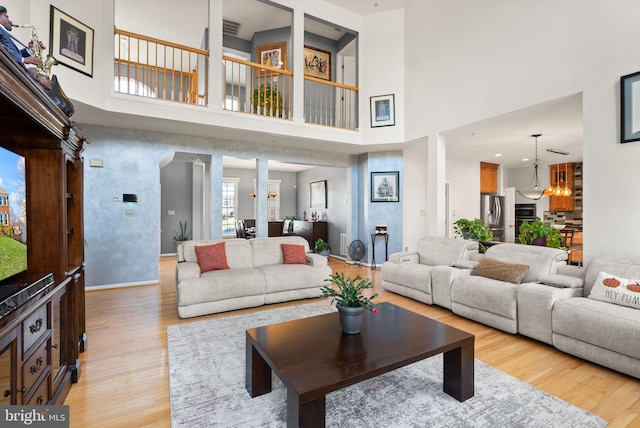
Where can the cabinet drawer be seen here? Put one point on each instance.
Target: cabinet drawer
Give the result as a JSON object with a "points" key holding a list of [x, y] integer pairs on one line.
{"points": [[34, 327], [41, 396], [33, 368]]}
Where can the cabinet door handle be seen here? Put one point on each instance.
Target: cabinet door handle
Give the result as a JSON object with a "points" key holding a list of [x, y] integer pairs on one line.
{"points": [[7, 393], [34, 328], [36, 367], [40, 400]]}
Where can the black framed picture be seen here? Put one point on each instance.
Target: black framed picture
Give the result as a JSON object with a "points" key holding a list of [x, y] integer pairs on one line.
{"points": [[383, 111], [630, 108], [318, 194], [385, 186], [71, 42]]}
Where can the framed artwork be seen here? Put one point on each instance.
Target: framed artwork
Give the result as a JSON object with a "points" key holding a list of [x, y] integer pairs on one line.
{"points": [[318, 194], [71, 42], [383, 111], [385, 186], [273, 55], [317, 63], [630, 108]]}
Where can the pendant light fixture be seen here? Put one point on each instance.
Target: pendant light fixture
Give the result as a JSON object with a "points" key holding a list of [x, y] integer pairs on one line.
{"points": [[566, 191], [534, 191]]}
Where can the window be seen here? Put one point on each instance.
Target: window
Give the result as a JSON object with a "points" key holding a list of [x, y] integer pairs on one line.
{"points": [[273, 202], [229, 205], [231, 103]]}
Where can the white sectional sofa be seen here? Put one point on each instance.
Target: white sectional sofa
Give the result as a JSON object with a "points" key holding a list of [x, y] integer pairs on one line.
{"points": [[256, 276], [591, 312]]}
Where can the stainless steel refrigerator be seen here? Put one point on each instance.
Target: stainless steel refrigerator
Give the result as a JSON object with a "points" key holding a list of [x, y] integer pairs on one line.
{"points": [[491, 211]]}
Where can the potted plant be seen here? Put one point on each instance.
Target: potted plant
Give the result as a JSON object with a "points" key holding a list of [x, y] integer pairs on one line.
{"points": [[474, 229], [290, 219], [267, 100], [321, 247], [349, 299], [183, 235], [540, 233]]}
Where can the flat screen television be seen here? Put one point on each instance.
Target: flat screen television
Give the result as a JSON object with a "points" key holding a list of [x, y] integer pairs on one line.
{"points": [[13, 217]]}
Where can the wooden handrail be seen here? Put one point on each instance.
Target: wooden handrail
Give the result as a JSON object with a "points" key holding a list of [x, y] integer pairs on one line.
{"points": [[258, 66], [161, 42], [330, 83]]}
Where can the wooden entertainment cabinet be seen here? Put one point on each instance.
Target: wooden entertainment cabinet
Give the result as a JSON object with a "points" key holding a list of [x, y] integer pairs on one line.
{"points": [[43, 333]]}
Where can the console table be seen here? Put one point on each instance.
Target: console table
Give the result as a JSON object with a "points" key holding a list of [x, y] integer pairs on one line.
{"points": [[374, 236]]}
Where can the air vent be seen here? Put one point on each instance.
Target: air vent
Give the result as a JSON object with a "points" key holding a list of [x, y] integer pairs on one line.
{"points": [[229, 27], [558, 152]]}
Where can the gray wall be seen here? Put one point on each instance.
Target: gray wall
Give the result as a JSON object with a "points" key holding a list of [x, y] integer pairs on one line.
{"points": [[123, 240], [337, 190], [177, 196]]}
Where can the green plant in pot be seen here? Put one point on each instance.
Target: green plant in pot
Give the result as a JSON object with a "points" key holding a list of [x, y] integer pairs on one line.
{"points": [[183, 234], [350, 301], [474, 229], [321, 247], [267, 100], [539, 233], [290, 224]]}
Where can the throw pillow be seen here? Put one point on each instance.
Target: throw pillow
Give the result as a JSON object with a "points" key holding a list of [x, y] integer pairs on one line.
{"points": [[293, 254], [211, 257], [502, 271], [615, 289]]}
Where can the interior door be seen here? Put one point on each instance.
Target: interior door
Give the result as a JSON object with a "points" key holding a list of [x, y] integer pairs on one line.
{"points": [[509, 214]]}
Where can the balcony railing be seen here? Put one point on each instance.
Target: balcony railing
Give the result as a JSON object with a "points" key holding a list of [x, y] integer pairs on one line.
{"points": [[250, 87], [330, 103], [154, 68]]}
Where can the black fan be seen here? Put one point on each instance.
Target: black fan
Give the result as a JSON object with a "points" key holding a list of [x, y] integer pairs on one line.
{"points": [[356, 251]]}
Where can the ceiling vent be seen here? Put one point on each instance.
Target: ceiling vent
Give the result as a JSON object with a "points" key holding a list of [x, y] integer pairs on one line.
{"points": [[558, 152], [229, 27]]}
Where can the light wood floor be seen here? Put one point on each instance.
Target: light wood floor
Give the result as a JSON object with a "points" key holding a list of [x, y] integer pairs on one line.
{"points": [[124, 380]]}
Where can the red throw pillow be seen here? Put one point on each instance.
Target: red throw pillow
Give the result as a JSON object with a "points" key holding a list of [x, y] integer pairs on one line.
{"points": [[211, 257], [293, 254]]}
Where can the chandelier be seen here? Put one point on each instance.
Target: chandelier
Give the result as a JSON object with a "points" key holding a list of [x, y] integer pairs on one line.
{"points": [[534, 191]]}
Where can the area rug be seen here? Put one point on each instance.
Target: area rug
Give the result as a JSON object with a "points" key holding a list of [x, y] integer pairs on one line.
{"points": [[207, 387]]}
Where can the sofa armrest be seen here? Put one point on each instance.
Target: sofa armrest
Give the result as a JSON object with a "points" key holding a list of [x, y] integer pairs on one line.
{"points": [[442, 278], [403, 257], [571, 270], [465, 264], [562, 281], [314, 259], [186, 270]]}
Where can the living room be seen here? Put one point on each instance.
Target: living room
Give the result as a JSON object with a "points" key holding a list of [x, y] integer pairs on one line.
{"points": [[447, 65]]}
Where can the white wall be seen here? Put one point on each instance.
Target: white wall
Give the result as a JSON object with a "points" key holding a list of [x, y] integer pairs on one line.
{"points": [[463, 177], [468, 60]]}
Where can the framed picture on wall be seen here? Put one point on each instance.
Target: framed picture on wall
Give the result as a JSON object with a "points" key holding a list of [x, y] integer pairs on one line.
{"points": [[383, 111], [630, 108], [71, 42], [318, 194], [273, 55], [317, 63], [385, 186]]}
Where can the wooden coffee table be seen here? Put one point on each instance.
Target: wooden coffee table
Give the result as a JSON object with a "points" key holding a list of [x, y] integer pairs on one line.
{"points": [[313, 357]]}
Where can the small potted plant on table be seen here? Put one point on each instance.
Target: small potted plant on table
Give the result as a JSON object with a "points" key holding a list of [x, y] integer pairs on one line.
{"points": [[350, 301], [539, 233]]}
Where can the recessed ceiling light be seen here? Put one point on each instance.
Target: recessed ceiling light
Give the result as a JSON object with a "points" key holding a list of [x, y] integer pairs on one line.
{"points": [[498, 155], [525, 159]]}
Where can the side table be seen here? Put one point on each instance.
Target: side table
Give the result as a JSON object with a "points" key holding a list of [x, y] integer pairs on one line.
{"points": [[373, 247]]}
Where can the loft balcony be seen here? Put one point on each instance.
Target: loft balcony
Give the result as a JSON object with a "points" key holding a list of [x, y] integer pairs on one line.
{"points": [[152, 68]]}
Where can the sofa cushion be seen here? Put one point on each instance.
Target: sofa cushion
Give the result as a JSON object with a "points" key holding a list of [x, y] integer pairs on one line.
{"points": [[267, 251], [293, 254], [219, 285], [541, 260], [211, 257], [608, 326], [615, 264], [486, 294], [502, 271], [238, 251], [616, 289]]}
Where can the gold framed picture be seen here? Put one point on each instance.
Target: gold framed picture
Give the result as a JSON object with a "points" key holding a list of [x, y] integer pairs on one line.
{"points": [[273, 55], [317, 63]]}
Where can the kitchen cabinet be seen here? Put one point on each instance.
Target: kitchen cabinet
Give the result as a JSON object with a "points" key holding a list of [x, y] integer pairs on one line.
{"points": [[562, 175], [488, 177]]}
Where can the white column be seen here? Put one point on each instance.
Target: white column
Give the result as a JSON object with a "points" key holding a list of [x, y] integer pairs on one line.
{"points": [[262, 188], [215, 76], [297, 65], [436, 176]]}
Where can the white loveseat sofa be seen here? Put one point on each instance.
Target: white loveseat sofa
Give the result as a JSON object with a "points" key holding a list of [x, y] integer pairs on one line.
{"points": [[256, 276]]}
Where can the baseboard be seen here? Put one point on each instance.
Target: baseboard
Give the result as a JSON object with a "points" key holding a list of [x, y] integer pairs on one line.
{"points": [[123, 285]]}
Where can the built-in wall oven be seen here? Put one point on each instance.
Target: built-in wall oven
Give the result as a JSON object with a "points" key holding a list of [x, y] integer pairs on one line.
{"points": [[524, 212]]}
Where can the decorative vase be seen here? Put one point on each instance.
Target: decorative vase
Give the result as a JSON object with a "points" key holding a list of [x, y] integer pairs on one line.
{"points": [[351, 319]]}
